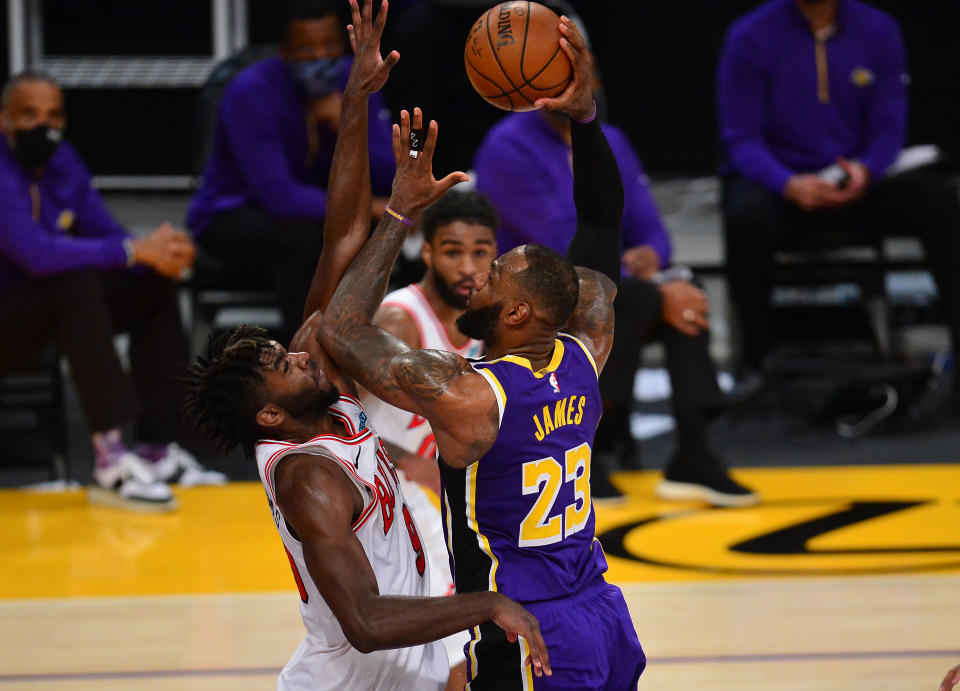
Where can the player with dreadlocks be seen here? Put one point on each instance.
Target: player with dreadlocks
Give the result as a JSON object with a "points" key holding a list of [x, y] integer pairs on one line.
{"points": [[333, 492]]}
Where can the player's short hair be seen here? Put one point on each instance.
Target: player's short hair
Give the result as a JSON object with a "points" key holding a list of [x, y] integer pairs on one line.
{"points": [[24, 77], [223, 388], [552, 281], [298, 10], [468, 206]]}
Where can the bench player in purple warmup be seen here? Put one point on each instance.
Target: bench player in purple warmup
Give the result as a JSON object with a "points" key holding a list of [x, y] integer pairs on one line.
{"points": [[515, 431]]}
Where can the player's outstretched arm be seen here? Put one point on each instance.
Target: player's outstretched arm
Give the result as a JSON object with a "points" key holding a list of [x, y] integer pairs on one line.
{"points": [[598, 195], [440, 386], [347, 222], [320, 504]]}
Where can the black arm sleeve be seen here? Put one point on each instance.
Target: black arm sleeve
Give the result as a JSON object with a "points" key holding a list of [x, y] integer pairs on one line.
{"points": [[598, 195]]}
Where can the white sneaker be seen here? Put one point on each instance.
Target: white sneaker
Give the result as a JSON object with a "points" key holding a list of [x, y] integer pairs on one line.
{"points": [[180, 466], [130, 484]]}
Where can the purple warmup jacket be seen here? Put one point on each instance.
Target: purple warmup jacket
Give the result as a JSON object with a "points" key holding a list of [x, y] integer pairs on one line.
{"points": [[73, 230], [259, 151], [523, 167], [777, 118]]}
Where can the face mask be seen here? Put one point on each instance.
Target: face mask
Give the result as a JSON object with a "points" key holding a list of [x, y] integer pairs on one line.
{"points": [[34, 147], [319, 77]]}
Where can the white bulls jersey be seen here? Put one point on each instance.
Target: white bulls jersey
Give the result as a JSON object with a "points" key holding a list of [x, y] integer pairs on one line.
{"points": [[406, 430], [386, 529]]}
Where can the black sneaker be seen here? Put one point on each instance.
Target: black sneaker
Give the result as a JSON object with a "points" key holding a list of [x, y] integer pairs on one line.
{"points": [[707, 480], [602, 491]]}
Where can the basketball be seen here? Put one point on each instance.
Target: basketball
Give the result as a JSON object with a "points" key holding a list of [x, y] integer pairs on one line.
{"points": [[513, 55]]}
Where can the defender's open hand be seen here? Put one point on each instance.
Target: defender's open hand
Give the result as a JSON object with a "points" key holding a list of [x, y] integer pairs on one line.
{"points": [[414, 187], [370, 71]]}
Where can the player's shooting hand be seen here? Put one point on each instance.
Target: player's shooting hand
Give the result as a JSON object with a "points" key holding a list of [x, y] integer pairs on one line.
{"points": [[951, 680], [577, 99], [414, 187], [515, 620], [369, 71], [167, 250], [684, 307]]}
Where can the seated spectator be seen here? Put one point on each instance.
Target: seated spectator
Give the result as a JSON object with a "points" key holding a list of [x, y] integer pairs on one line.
{"points": [[804, 85], [263, 198], [523, 166], [69, 273]]}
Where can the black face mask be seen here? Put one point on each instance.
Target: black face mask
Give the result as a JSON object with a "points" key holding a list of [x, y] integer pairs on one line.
{"points": [[34, 147], [321, 76]]}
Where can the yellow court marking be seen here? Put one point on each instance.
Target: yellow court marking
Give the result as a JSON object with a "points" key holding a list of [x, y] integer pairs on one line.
{"points": [[814, 521]]}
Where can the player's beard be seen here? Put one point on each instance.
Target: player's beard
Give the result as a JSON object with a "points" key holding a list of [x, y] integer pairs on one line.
{"points": [[310, 405], [446, 292], [481, 323]]}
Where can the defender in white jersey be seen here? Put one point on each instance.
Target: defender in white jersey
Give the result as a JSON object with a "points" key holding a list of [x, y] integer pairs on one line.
{"points": [[391, 542], [459, 241], [332, 490]]}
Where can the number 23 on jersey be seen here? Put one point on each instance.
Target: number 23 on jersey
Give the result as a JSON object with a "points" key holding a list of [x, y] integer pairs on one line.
{"points": [[545, 477]]}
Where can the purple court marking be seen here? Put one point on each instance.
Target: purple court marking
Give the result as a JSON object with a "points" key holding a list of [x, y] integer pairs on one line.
{"points": [[797, 657], [666, 660], [142, 674]]}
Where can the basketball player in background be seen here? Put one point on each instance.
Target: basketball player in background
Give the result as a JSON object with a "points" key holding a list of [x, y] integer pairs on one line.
{"points": [[514, 433], [334, 495], [458, 243]]}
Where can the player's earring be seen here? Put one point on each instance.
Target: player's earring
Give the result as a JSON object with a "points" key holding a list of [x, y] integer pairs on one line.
{"points": [[417, 140]]}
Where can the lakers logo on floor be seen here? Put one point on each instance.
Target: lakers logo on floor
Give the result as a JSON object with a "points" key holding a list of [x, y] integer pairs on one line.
{"points": [[802, 536]]}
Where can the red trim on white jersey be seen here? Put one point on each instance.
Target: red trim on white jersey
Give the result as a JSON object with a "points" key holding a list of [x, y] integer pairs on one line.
{"points": [[351, 399], [367, 512], [268, 466], [345, 419]]}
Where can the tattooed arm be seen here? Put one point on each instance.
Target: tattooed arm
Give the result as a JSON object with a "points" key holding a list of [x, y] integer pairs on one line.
{"points": [[592, 321], [440, 386]]}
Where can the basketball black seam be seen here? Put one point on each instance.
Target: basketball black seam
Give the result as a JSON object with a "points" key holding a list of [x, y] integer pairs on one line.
{"points": [[523, 48], [497, 84], [526, 82], [496, 57], [511, 91], [529, 82]]}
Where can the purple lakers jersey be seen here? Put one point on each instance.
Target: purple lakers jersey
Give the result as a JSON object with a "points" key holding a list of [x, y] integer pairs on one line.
{"points": [[520, 520]]}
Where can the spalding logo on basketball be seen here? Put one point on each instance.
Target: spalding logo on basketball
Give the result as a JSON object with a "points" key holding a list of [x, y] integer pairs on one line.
{"points": [[513, 55]]}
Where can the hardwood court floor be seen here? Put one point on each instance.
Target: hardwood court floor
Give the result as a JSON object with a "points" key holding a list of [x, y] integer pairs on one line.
{"points": [[845, 578]]}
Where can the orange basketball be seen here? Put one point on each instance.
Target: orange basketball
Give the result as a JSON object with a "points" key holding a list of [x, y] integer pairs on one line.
{"points": [[513, 55]]}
